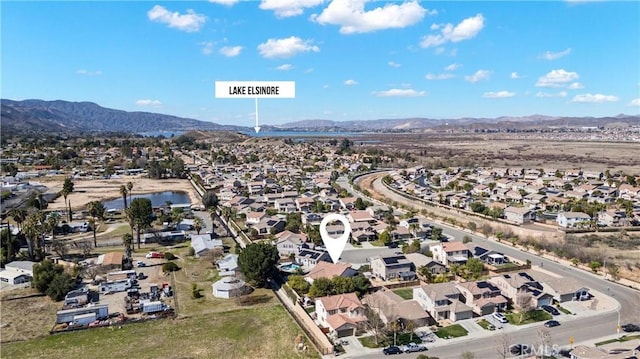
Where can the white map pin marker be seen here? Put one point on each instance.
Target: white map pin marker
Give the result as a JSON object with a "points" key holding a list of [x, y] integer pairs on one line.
{"points": [[335, 246]]}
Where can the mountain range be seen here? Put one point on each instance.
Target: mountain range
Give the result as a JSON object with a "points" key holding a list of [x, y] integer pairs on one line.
{"points": [[40, 116]]}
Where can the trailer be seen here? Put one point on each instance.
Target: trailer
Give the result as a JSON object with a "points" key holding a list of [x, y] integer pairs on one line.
{"points": [[84, 319], [68, 315], [115, 286], [152, 307]]}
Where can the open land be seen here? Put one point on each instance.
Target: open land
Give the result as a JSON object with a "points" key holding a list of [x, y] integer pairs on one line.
{"points": [[87, 190], [208, 327]]}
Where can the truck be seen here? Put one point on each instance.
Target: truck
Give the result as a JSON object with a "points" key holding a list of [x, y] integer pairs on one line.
{"points": [[413, 347], [155, 255], [153, 307], [115, 286]]}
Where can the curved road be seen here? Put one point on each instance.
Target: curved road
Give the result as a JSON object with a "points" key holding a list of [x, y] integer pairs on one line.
{"points": [[583, 329]]}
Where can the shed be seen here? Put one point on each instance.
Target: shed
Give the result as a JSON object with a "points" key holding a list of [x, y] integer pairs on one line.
{"points": [[229, 287], [11, 277]]}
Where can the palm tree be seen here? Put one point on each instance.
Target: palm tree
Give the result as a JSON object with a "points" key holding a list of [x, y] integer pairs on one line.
{"points": [[123, 192], [92, 223], [197, 224], [67, 187], [127, 240], [413, 229], [32, 230], [52, 223], [129, 188], [19, 215]]}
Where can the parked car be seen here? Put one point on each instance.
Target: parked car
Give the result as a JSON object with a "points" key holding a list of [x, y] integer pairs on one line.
{"points": [[551, 310], [392, 350], [500, 317], [141, 264], [520, 349], [631, 328], [413, 347], [551, 323], [155, 255]]}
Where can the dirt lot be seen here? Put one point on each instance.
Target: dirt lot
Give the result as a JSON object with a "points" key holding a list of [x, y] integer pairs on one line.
{"points": [[15, 325]]}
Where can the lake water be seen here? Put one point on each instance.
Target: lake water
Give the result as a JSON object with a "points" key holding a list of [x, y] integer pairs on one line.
{"points": [[166, 134], [157, 199], [301, 134]]}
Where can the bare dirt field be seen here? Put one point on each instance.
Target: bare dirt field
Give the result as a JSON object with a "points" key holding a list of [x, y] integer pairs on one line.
{"points": [[87, 190], [15, 325], [513, 150]]}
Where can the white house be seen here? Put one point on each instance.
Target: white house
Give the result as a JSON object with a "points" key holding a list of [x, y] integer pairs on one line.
{"points": [[450, 252], [203, 242], [17, 272], [572, 219]]}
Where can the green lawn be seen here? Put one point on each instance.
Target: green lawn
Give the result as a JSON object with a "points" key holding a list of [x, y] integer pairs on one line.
{"points": [[485, 324], [451, 331], [401, 339], [264, 332], [623, 338], [531, 317], [564, 310], [405, 293]]}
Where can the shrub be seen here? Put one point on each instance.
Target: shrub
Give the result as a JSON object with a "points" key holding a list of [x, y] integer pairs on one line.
{"points": [[191, 252], [170, 256], [195, 291], [170, 267]]}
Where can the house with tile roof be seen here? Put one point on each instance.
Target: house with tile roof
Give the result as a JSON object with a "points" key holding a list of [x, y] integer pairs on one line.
{"points": [[442, 301], [343, 314]]}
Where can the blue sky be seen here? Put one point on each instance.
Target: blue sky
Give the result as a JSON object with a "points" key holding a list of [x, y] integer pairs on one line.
{"points": [[351, 60]]}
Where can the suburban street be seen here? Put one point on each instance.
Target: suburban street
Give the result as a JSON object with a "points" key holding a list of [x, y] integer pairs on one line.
{"points": [[581, 329]]}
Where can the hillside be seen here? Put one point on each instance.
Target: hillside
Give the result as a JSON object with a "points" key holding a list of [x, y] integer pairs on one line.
{"points": [[64, 117]]}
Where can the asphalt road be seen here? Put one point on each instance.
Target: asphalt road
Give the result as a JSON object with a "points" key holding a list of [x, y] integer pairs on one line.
{"points": [[581, 329]]}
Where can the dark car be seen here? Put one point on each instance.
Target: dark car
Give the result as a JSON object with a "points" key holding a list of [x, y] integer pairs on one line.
{"points": [[551, 310], [392, 350], [520, 349], [631, 328], [552, 323]]}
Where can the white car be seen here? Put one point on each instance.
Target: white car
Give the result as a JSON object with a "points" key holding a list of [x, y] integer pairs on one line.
{"points": [[500, 317]]}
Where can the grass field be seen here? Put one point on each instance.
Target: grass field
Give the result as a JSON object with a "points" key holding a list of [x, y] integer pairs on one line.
{"points": [[264, 332], [531, 317], [451, 331], [208, 327], [405, 293]]}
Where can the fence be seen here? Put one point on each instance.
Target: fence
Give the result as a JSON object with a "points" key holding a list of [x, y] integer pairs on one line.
{"points": [[301, 317]]}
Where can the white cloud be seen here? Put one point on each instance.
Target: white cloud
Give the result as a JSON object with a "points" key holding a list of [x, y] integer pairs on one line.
{"points": [[400, 93], [350, 82], [557, 78], [225, 2], [453, 67], [594, 98], [89, 73], [466, 29], [431, 76], [634, 102], [393, 64], [148, 103], [352, 18], [547, 94], [479, 75], [575, 86], [231, 51], [309, 70], [285, 67], [499, 94], [548, 55], [189, 22], [288, 8], [440, 51], [515, 75], [287, 47], [207, 47]]}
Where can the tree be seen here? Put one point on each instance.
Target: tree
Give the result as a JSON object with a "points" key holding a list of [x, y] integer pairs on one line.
{"points": [[374, 324], [85, 247], [475, 267], [524, 303], [123, 193], [472, 226], [613, 270], [321, 287], [595, 266], [140, 213], [10, 246], [33, 230], [197, 224], [258, 262], [127, 240], [50, 279], [129, 189], [436, 234], [210, 200], [544, 341], [59, 247], [170, 267], [96, 209], [67, 188], [503, 344], [297, 283], [60, 285], [18, 215], [426, 274], [360, 204], [385, 238]]}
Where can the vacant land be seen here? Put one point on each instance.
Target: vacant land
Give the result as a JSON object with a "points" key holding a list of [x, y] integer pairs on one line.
{"points": [[266, 332], [255, 327]]}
